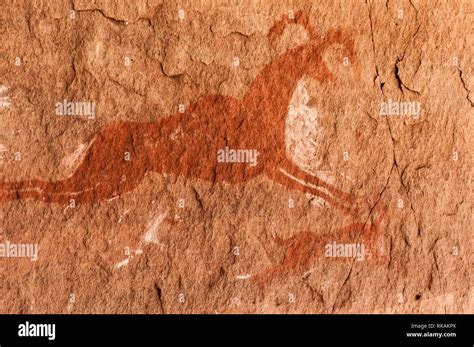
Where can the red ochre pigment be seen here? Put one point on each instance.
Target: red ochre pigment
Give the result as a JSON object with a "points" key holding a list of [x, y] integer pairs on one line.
{"points": [[186, 144]]}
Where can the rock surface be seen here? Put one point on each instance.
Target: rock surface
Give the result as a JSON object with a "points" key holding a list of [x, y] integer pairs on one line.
{"points": [[370, 101]]}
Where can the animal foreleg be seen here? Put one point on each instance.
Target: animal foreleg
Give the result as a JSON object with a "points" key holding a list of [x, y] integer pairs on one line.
{"points": [[287, 180]]}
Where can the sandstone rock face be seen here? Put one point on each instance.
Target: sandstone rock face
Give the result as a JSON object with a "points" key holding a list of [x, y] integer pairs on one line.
{"points": [[236, 157]]}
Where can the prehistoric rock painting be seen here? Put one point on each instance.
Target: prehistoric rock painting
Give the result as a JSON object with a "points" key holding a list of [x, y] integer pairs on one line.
{"points": [[121, 154], [237, 223]]}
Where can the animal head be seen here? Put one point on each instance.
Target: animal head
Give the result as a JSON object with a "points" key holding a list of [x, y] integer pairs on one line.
{"points": [[316, 44]]}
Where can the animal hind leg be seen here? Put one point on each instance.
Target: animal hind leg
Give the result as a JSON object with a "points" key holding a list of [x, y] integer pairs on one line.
{"points": [[74, 189], [92, 181], [49, 192]]}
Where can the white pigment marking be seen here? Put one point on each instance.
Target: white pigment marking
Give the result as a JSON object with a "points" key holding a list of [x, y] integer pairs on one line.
{"points": [[151, 233], [122, 263], [72, 160], [243, 277], [302, 124]]}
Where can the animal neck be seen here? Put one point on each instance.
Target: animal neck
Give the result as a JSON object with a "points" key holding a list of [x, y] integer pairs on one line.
{"points": [[273, 88]]}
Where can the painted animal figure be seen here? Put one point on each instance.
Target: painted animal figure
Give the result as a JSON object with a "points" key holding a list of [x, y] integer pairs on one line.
{"points": [[302, 250], [187, 144]]}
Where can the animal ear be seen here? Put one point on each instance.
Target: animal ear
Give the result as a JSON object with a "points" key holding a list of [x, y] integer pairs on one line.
{"points": [[299, 18]]}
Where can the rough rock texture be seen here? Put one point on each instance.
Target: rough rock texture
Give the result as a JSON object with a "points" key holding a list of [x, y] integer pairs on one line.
{"points": [[133, 212]]}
